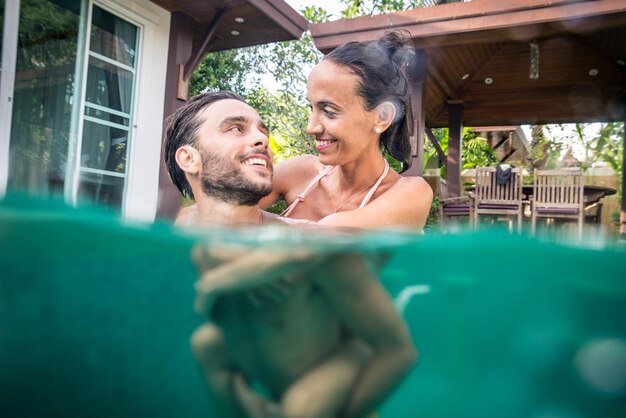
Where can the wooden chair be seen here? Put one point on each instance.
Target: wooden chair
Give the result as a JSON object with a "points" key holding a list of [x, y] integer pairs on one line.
{"points": [[491, 198], [559, 194], [452, 208]]}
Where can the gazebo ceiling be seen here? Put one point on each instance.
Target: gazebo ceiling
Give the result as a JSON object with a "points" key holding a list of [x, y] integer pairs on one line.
{"points": [[479, 52], [264, 21]]}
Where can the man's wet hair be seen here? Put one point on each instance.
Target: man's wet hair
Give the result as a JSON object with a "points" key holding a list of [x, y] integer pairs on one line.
{"points": [[181, 129]]}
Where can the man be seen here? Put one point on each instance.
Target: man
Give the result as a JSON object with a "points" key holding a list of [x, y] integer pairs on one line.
{"points": [[334, 344]]}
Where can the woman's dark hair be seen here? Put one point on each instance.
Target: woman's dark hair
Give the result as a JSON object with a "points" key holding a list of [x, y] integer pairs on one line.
{"points": [[380, 65], [181, 129]]}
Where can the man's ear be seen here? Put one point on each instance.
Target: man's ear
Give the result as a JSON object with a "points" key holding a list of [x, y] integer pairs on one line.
{"points": [[385, 114], [189, 159]]}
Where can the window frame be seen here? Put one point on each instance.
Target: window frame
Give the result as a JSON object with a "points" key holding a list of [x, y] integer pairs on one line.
{"points": [[7, 85], [71, 191]]}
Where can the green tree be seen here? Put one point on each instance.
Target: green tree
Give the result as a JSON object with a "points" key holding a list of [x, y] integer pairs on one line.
{"points": [[475, 152], [544, 150], [225, 70], [285, 110], [356, 8], [604, 146]]}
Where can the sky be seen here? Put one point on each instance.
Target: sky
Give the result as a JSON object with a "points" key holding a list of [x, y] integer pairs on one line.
{"points": [[333, 7]]}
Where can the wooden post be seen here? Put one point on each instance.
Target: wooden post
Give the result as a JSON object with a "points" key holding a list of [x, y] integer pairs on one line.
{"points": [[180, 47], [416, 73], [455, 139]]}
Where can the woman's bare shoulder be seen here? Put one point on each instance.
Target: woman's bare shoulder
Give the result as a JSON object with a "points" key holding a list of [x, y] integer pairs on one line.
{"points": [[414, 184], [410, 192]]}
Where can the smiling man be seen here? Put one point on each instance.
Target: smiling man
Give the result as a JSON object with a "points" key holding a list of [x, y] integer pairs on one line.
{"points": [[217, 145], [306, 348]]}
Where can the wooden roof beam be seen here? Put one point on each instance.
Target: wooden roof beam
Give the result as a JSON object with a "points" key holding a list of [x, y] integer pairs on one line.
{"points": [[443, 84], [475, 22], [286, 17], [200, 50]]}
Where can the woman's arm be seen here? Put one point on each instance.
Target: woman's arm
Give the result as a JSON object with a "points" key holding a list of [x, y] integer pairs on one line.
{"points": [[367, 310], [291, 177]]}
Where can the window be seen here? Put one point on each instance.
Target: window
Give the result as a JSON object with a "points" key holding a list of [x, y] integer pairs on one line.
{"points": [[78, 117], [44, 146], [43, 94], [108, 104]]}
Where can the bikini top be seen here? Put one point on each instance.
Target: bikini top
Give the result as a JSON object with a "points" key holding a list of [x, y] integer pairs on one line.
{"points": [[325, 172]]}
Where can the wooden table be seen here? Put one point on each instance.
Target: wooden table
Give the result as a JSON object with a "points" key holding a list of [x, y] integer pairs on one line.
{"points": [[592, 194]]}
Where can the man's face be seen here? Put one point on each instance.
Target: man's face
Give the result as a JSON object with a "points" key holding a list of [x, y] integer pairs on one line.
{"points": [[236, 159]]}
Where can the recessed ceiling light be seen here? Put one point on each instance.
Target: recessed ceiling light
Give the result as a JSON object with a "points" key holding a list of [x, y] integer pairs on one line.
{"points": [[488, 80], [465, 76], [621, 62], [234, 32], [240, 19], [593, 72]]}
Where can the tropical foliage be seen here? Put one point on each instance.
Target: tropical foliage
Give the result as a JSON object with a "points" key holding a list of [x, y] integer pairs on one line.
{"points": [[355, 8], [475, 152]]}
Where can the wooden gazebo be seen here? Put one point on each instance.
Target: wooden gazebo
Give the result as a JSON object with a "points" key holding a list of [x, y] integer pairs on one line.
{"points": [[489, 62]]}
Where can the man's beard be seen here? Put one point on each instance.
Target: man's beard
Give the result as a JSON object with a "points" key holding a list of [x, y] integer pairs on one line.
{"points": [[224, 180]]}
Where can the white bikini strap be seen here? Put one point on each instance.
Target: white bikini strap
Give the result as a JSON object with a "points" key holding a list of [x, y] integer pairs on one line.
{"points": [[369, 194], [300, 198]]}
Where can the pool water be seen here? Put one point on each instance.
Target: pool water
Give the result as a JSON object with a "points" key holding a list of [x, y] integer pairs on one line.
{"points": [[96, 314]]}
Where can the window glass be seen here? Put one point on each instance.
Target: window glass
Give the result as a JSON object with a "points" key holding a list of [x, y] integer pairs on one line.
{"points": [[113, 37], [101, 189], [45, 99], [44, 87], [109, 85], [104, 147], [107, 114]]}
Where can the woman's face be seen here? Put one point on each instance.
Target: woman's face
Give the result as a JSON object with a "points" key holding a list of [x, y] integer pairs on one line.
{"points": [[342, 128]]}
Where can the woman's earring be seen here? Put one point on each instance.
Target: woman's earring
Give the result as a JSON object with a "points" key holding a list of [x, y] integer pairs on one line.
{"points": [[377, 130]]}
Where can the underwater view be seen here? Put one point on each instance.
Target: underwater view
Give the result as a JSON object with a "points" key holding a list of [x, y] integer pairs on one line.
{"points": [[96, 316]]}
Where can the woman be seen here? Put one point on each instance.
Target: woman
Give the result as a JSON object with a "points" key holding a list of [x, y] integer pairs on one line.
{"points": [[359, 100]]}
